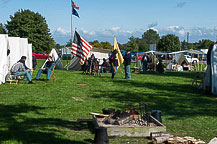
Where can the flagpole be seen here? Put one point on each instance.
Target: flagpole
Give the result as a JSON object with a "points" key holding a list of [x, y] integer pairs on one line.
{"points": [[71, 28]]}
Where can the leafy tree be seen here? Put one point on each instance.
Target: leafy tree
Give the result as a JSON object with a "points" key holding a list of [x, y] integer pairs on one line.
{"points": [[169, 42], [69, 43], [98, 45], [102, 45], [204, 44], [131, 45], [106, 45], [135, 44], [151, 37], [184, 45], [31, 25], [2, 29], [58, 46], [94, 42]]}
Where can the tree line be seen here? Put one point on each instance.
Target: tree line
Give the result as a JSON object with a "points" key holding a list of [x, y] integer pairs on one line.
{"points": [[31, 25]]}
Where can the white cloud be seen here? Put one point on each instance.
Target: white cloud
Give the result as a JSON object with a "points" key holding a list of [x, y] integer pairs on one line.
{"points": [[155, 29], [116, 29], [196, 33], [61, 31]]}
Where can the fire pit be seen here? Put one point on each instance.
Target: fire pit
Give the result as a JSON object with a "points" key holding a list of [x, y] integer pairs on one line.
{"points": [[130, 123]]}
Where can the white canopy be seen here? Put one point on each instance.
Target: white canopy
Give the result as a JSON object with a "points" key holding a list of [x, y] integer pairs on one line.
{"points": [[3, 57], [195, 51], [55, 58]]}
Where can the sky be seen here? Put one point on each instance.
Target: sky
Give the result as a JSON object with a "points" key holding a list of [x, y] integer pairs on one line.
{"points": [[102, 19]]}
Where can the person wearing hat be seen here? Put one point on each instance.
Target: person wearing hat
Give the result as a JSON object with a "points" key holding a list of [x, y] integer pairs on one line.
{"points": [[21, 59], [127, 61], [20, 70], [114, 63], [104, 66]]}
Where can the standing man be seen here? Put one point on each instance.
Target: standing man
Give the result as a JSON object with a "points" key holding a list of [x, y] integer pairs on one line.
{"points": [[127, 61], [114, 63], [104, 66], [145, 60], [208, 76]]}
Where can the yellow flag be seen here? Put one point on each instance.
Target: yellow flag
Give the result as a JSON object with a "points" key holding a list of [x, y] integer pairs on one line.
{"points": [[120, 57]]}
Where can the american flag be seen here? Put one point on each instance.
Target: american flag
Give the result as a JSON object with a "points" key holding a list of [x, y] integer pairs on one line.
{"points": [[80, 47], [74, 5]]}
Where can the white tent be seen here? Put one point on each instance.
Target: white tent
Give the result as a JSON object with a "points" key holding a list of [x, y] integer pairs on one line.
{"points": [[214, 69], [25, 52], [15, 52], [3, 57], [75, 62], [29, 56], [99, 56], [55, 58]]}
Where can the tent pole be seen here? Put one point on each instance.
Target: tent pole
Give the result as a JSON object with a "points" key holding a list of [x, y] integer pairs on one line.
{"points": [[191, 60], [198, 67], [202, 63]]}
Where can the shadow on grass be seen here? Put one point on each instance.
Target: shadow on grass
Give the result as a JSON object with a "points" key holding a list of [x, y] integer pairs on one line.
{"points": [[173, 99], [172, 74], [16, 126]]}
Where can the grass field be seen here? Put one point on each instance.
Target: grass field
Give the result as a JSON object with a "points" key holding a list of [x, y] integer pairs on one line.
{"points": [[47, 113]]}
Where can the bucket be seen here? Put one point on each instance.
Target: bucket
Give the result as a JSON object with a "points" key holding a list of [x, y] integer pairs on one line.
{"points": [[157, 115], [101, 136]]}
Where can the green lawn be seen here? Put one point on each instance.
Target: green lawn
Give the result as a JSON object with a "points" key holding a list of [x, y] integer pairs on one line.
{"points": [[47, 113]]}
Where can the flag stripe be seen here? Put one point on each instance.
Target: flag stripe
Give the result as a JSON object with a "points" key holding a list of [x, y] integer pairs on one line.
{"points": [[80, 47], [87, 44], [75, 46], [79, 53], [74, 5]]}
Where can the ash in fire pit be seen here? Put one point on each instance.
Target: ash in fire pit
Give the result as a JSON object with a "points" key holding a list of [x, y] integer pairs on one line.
{"points": [[136, 122], [130, 117]]}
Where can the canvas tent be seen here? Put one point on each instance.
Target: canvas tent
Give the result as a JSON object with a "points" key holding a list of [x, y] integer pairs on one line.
{"points": [[99, 56], [24, 51], [74, 64], [29, 56], [179, 59], [214, 70], [210, 77], [4, 64], [11, 50], [55, 57], [15, 52]]}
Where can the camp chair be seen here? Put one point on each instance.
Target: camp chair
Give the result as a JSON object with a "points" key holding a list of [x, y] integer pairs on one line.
{"points": [[197, 78], [12, 79], [53, 74]]}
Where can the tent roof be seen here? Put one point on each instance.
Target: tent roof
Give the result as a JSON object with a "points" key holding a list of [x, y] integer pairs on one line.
{"points": [[195, 51], [180, 58]]}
